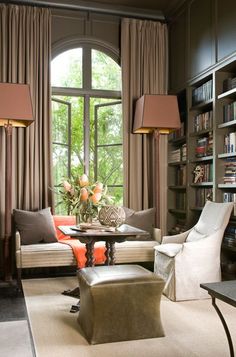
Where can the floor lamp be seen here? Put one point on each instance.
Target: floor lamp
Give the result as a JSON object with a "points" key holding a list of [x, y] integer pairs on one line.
{"points": [[157, 114], [15, 111]]}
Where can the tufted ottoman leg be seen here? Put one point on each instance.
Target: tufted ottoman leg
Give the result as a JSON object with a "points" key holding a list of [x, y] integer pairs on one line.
{"points": [[119, 303]]}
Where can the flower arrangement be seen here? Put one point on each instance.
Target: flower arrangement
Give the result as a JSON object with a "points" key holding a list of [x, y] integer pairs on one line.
{"points": [[83, 198]]}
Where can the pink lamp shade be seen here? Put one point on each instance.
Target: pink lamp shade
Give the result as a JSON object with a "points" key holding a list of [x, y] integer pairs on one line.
{"points": [[15, 105], [156, 112]]}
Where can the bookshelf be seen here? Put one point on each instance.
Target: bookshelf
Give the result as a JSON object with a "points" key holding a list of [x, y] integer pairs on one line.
{"points": [[210, 163], [177, 173]]}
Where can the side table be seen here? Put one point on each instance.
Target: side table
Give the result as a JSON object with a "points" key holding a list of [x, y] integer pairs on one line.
{"points": [[225, 291]]}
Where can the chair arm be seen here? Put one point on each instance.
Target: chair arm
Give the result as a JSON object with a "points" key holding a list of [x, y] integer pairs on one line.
{"points": [[177, 238], [18, 240], [157, 235]]}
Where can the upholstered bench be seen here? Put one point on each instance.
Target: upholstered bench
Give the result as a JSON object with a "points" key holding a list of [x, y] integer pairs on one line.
{"points": [[57, 254], [119, 303]]}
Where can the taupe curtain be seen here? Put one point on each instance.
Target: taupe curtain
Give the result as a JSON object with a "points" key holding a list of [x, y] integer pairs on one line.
{"points": [[25, 45], [144, 61]]}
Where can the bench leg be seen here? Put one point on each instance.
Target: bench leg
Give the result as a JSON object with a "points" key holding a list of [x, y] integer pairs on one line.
{"points": [[19, 285]]}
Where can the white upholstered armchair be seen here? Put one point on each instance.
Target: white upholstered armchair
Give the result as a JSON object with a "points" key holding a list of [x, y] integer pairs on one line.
{"points": [[193, 257]]}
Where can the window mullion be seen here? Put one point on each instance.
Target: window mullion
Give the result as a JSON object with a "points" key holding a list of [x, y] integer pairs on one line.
{"points": [[87, 69], [86, 133]]}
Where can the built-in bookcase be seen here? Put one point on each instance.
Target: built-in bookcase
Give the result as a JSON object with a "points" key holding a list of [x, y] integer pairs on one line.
{"points": [[177, 172], [208, 170]]}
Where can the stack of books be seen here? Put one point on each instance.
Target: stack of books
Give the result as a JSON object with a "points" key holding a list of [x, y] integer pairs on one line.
{"points": [[204, 146], [95, 226], [184, 152], [175, 155], [230, 172]]}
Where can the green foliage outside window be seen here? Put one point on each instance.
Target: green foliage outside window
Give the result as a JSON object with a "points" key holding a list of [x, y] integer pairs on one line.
{"points": [[68, 125]]}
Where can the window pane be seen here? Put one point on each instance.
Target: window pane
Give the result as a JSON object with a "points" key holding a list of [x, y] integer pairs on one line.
{"points": [[60, 163], [77, 136], [76, 140], [110, 165], [117, 193], [60, 116], [109, 125], [106, 73], [66, 69]]}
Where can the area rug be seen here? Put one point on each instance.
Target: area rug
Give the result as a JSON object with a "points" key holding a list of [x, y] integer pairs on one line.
{"points": [[192, 328]]}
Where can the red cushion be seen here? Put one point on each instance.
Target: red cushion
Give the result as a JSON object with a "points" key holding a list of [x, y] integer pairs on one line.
{"points": [[63, 221]]}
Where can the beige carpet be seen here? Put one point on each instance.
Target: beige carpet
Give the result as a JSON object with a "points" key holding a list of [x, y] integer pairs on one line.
{"points": [[192, 328]]}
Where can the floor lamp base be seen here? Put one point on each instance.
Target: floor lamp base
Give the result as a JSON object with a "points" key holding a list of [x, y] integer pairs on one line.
{"points": [[8, 203]]}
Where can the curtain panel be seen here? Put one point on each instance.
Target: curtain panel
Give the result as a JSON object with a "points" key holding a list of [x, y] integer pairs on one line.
{"points": [[144, 63], [25, 46]]}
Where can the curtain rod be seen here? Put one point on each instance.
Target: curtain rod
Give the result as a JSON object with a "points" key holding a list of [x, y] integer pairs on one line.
{"points": [[121, 11]]}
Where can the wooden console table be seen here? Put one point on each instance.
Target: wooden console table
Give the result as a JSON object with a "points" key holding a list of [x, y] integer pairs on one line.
{"points": [[225, 291]]}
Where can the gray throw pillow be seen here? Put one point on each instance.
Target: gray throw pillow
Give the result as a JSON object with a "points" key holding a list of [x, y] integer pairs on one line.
{"points": [[144, 220], [35, 227]]}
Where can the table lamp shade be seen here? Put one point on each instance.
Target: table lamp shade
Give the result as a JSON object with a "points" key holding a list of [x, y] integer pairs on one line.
{"points": [[15, 105], [156, 112]]}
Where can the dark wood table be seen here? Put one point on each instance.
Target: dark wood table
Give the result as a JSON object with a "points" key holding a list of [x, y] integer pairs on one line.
{"points": [[225, 291], [91, 236]]}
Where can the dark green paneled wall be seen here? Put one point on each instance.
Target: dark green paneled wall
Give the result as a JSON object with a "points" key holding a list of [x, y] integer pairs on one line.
{"points": [[201, 35]]}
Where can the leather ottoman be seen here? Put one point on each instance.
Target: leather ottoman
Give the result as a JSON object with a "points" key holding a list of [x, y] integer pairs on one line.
{"points": [[119, 303]]}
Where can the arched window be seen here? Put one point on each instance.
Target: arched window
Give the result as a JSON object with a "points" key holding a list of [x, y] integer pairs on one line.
{"points": [[87, 118]]}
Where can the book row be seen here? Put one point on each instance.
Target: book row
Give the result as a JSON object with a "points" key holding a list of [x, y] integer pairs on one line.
{"points": [[181, 176], [229, 112], [230, 142], [202, 93], [229, 83], [203, 121], [202, 195], [204, 146], [179, 133], [179, 154], [230, 197]]}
